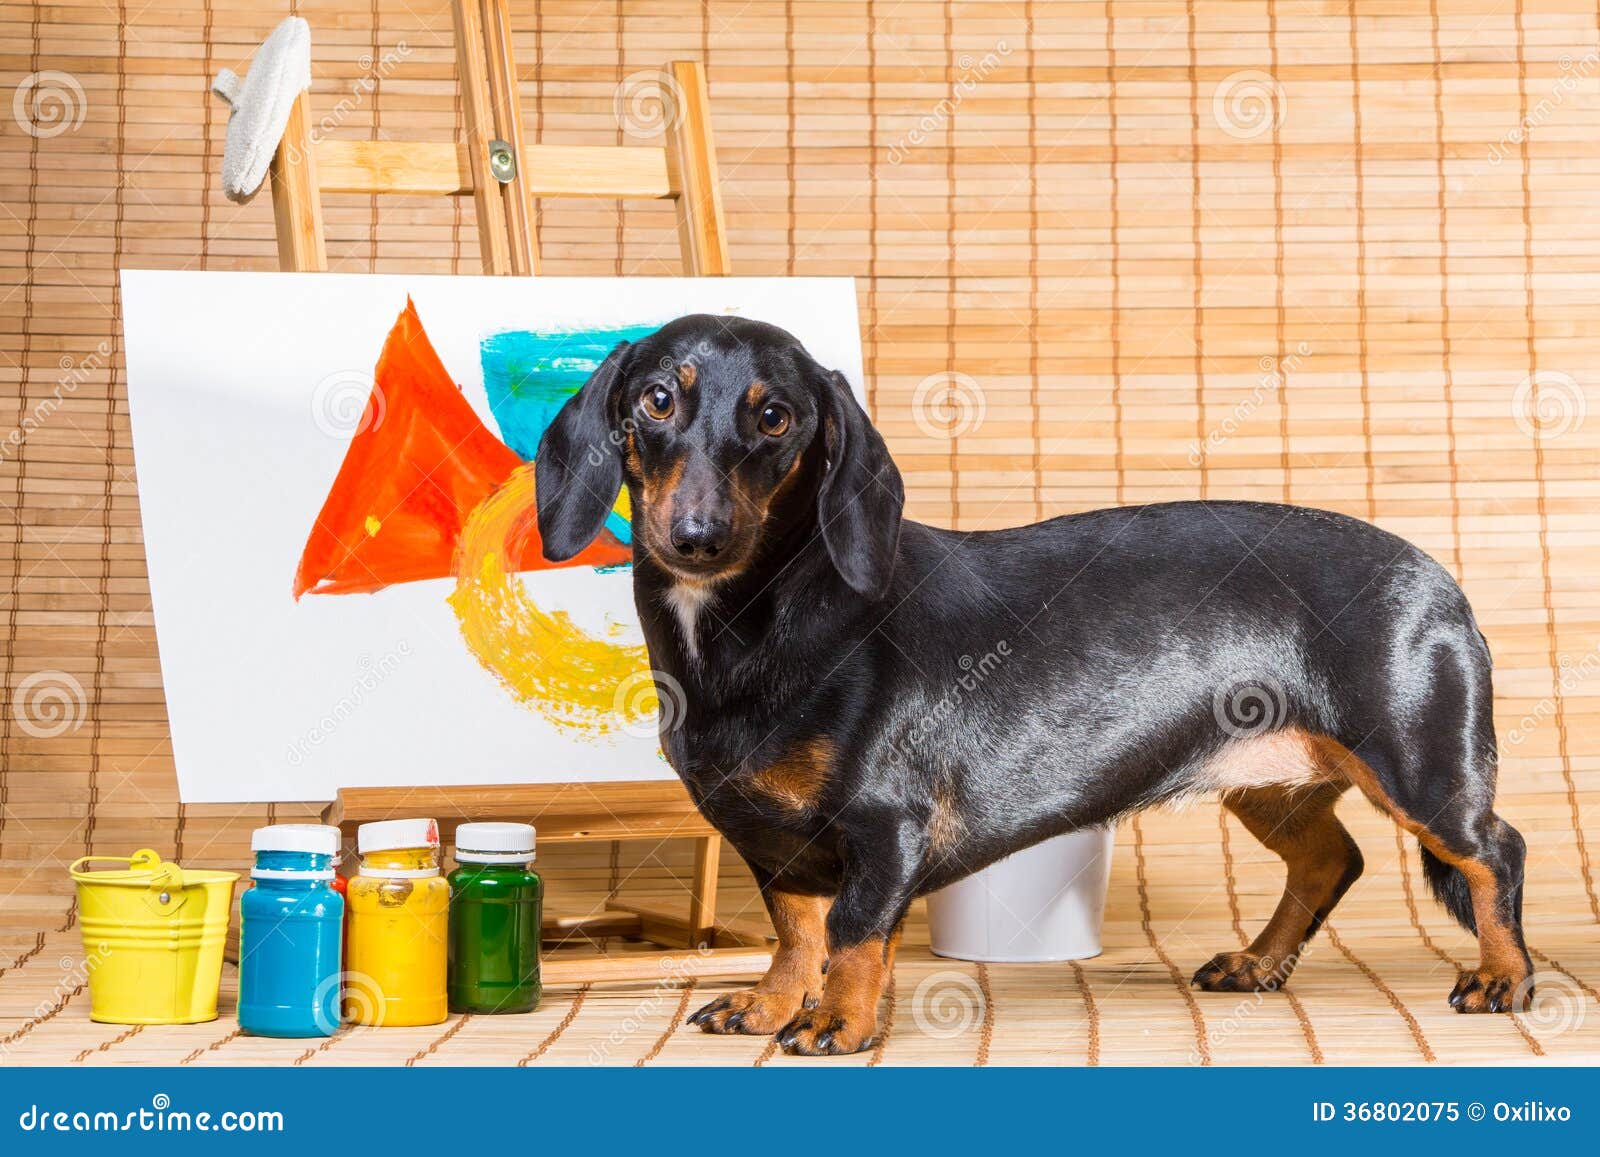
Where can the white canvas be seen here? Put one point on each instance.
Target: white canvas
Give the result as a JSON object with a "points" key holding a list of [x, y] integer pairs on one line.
{"points": [[241, 388]]}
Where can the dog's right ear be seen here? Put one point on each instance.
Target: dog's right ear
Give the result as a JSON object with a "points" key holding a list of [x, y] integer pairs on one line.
{"points": [[578, 468], [862, 494]]}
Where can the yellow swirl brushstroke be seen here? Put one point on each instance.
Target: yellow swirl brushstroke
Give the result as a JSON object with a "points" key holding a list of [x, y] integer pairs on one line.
{"points": [[544, 659]]}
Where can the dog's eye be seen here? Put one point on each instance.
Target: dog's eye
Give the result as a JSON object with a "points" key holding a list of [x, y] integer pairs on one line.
{"points": [[774, 420], [658, 403]]}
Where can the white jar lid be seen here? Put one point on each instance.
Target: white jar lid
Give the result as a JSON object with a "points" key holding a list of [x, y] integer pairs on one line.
{"points": [[338, 836], [389, 835], [314, 839], [494, 843]]}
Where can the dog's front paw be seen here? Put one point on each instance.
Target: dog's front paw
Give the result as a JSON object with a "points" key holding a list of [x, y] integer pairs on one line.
{"points": [[750, 1011], [822, 1032], [1483, 990], [1241, 972]]}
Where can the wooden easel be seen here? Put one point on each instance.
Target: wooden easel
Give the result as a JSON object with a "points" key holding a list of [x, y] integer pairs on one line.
{"points": [[503, 175]]}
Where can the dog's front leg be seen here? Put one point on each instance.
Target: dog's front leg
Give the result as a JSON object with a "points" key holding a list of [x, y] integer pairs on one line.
{"points": [[863, 932], [793, 982]]}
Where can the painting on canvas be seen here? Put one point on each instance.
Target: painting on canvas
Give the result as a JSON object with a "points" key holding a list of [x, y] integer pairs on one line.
{"points": [[336, 487]]}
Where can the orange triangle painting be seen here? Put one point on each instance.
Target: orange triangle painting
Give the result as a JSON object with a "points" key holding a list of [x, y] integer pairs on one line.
{"points": [[419, 464]]}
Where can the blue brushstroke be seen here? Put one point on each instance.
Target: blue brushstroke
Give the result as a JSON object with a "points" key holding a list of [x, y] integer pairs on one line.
{"points": [[530, 374]]}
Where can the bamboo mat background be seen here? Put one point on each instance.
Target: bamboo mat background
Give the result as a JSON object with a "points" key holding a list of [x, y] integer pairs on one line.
{"points": [[1343, 255]]}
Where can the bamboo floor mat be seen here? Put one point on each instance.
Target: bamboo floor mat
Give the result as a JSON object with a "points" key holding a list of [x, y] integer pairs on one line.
{"points": [[1370, 990]]}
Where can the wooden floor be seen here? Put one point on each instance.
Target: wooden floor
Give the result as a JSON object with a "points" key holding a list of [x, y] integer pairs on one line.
{"points": [[1370, 991]]}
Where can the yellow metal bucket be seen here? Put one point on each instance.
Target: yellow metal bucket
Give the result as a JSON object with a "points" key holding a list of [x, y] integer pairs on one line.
{"points": [[153, 935]]}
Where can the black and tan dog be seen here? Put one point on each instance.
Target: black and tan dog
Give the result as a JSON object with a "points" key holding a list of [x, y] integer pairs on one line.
{"points": [[873, 708]]}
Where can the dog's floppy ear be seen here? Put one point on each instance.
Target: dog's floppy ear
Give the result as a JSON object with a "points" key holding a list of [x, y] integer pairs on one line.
{"points": [[861, 496], [578, 468]]}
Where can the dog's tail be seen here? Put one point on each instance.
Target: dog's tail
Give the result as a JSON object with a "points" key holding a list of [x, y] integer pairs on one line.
{"points": [[1449, 887]]}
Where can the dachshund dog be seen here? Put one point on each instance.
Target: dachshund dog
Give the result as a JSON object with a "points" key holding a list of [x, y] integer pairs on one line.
{"points": [[873, 708]]}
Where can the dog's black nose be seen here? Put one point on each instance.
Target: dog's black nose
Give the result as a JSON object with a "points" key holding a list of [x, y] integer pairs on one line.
{"points": [[699, 539]]}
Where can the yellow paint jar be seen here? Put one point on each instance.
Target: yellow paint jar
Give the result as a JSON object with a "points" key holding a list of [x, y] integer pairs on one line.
{"points": [[399, 911]]}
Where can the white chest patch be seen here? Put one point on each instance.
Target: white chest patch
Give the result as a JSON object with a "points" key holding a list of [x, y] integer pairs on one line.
{"points": [[686, 601]]}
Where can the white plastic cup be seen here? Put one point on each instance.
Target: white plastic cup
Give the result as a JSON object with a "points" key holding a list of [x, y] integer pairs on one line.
{"points": [[1046, 902]]}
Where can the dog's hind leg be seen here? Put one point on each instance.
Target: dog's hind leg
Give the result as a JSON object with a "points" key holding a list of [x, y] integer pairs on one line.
{"points": [[1322, 862], [793, 982], [1473, 861], [1492, 873], [1433, 769]]}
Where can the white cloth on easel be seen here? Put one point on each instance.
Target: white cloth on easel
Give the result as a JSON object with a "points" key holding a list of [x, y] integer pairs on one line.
{"points": [[280, 72]]}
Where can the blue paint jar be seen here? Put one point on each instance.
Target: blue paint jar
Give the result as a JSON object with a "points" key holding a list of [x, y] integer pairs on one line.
{"points": [[290, 931]]}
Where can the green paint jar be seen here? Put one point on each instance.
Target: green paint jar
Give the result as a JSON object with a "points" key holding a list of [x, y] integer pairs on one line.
{"points": [[496, 905]]}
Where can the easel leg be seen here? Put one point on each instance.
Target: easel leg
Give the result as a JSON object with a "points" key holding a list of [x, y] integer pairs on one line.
{"points": [[472, 68], [296, 195], [703, 901]]}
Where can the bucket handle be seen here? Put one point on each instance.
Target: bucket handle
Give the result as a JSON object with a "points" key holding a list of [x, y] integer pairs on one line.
{"points": [[143, 858], [166, 879]]}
